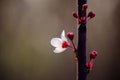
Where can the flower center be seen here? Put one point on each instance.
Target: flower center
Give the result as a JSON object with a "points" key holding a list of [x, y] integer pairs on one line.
{"points": [[65, 44]]}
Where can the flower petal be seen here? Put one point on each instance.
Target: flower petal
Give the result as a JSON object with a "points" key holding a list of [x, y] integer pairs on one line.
{"points": [[59, 50], [56, 42], [63, 36]]}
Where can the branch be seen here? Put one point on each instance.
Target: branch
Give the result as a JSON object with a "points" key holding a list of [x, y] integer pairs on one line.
{"points": [[81, 51]]}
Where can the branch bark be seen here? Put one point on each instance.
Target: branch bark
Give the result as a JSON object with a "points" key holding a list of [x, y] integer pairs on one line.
{"points": [[81, 50]]}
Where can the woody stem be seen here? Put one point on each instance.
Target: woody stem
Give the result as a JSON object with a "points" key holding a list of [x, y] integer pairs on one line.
{"points": [[81, 50]]}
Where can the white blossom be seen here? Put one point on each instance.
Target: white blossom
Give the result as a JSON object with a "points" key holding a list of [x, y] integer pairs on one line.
{"points": [[60, 44]]}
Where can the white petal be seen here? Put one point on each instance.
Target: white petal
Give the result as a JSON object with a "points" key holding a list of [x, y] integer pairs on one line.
{"points": [[59, 50], [56, 42], [63, 36]]}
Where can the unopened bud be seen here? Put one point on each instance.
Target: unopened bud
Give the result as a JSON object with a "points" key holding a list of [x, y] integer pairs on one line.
{"points": [[89, 65], [83, 19], [79, 21], [93, 54], [70, 35], [84, 7], [75, 15], [91, 14]]}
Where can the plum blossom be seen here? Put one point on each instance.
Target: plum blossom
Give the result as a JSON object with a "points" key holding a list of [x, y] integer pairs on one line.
{"points": [[60, 44]]}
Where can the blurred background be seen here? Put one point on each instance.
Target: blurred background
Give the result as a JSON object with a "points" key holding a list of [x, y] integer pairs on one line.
{"points": [[27, 26]]}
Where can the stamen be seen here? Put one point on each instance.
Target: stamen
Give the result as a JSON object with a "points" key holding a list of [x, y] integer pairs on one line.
{"points": [[65, 44]]}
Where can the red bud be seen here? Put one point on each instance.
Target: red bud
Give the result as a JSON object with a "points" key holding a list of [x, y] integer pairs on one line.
{"points": [[83, 19], [79, 21], [91, 14], [75, 15], [93, 54], [84, 7], [89, 65], [70, 35]]}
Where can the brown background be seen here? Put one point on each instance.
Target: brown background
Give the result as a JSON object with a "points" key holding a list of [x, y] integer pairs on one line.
{"points": [[26, 27]]}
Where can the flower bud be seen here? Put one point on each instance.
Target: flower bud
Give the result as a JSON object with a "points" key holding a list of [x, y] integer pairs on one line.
{"points": [[89, 65], [70, 35], [79, 21], [83, 19], [84, 7], [91, 14], [75, 15], [93, 54]]}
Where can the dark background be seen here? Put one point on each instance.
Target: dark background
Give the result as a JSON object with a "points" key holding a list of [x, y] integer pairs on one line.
{"points": [[27, 26]]}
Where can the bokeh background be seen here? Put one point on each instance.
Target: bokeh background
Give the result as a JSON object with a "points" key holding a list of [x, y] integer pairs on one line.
{"points": [[27, 26]]}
